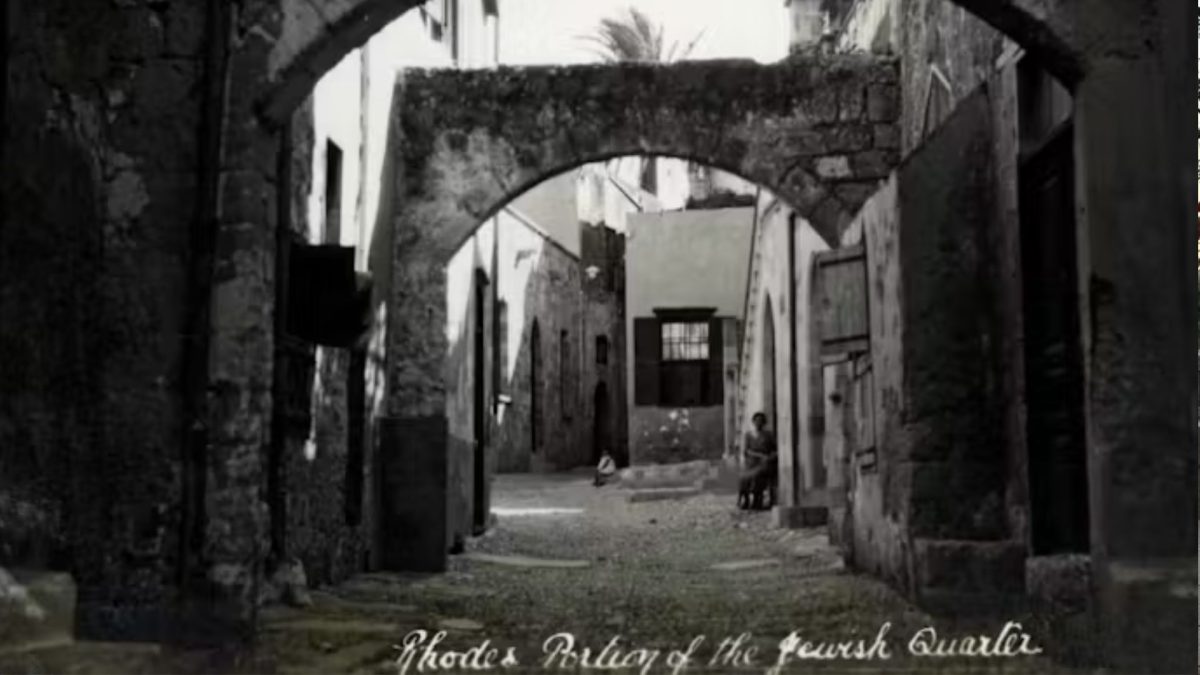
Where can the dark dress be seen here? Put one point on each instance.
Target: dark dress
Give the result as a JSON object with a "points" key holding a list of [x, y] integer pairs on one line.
{"points": [[761, 464]]}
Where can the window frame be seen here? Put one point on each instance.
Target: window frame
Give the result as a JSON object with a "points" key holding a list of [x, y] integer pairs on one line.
{"points": [[684, 339]]}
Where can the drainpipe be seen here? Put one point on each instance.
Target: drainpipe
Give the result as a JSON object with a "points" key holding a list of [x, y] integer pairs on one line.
{"points": [[203, 240], [794, 374], [750, 269]]}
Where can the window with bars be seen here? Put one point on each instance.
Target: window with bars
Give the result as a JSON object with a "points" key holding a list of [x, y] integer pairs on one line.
{"points": [[679, 359], [685, 341]]}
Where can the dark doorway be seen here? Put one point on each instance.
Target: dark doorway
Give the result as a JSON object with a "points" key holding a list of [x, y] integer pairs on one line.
{"points": [[769, 396], [1053, 351], [601, 423], [356, 397], [479, 409], [535, 388]]}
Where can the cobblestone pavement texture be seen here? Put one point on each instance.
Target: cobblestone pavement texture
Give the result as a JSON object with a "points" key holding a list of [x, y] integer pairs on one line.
{"points": [[650, 580]]}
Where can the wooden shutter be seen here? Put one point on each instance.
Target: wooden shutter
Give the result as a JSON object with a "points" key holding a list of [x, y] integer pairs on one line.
{"points": [[840, 298], [715, 389], [647, 349], [327, 302]]}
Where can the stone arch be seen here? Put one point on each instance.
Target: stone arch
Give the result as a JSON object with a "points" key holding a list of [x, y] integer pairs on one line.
{"points": [[817, 131]]}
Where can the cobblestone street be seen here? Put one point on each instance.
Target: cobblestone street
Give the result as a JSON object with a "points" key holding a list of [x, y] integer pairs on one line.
{"points": [[566, 556]]}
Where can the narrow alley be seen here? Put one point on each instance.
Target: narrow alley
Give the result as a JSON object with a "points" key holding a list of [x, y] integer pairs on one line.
{"points": [[664, 336]]}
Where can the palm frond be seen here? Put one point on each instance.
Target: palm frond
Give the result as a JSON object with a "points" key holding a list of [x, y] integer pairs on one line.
{"points": [[635, 37]]}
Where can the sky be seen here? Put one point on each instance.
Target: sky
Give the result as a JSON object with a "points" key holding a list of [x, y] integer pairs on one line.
{"points": [[550, 31]]}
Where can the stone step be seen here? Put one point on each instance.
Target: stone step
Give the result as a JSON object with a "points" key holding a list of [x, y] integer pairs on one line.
{"points": [[662, 494], [525, 562], [684, 474], [743, 565], [36, 607]]}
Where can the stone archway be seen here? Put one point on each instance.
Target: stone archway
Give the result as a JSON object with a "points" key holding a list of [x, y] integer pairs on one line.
{"points": [[817, 131]]}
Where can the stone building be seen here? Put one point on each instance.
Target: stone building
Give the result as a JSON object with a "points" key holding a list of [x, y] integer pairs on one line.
{"points": [[326, 388], [140, 262], [686, 276], [938, 356]]}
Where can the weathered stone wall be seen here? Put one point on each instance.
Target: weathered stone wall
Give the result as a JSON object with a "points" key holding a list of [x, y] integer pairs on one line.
{"points": [[538, 281], [938, 35], [313, 474], [102, 109], [602, 250], [818, 131], [877, 484], [938, 506], [315, 482], [674, 435]]}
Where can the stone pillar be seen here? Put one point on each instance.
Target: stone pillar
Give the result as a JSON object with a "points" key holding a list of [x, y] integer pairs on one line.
{"points": [[416, 449], [221, 596], [1137, 247]]}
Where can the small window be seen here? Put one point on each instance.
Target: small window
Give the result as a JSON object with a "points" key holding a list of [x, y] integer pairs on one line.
{"points": [[501, 342], [333, 194], [685, 341], [601, 350]]}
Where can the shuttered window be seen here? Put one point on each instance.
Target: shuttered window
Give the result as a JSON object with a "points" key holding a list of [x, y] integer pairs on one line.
{"points": [[678, 362], [647, 348], [840, 295]]}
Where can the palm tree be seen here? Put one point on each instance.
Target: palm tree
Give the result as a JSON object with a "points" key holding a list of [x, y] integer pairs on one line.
{"points": [[636, 38]]}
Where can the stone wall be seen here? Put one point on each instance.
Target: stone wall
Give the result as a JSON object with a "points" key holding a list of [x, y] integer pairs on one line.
{"points": [[540, 284], [603, 250], [102, 109], [675, 435], [944, 480], [936, 40], [312, 472], [877, 538]]}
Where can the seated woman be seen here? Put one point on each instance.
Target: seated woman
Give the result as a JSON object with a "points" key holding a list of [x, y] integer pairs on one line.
{"points": [[761, 465]]}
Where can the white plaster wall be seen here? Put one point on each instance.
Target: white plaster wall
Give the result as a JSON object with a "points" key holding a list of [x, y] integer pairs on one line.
{"points": [[773, 270], [357, 117], [688, 259], [771, 258], [336, 120], [553, 206]]}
